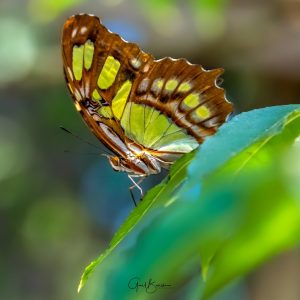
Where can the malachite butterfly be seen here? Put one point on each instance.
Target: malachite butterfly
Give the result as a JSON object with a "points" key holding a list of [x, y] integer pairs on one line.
{"points": [[147, 112]]}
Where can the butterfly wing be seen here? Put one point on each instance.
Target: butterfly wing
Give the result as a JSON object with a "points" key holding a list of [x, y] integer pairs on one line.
{"points": [[167, 106], [96, 65]]}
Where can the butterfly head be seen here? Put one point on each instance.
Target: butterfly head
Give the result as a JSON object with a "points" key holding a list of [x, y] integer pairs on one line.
{"points": [[118, 163], [115, 162]]}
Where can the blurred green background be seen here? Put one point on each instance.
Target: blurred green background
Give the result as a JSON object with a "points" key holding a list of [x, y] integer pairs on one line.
{"points": [[59, 210]]}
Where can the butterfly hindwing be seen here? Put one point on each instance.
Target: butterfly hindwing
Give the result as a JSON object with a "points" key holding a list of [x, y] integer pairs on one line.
{"points": [[186, 93]]}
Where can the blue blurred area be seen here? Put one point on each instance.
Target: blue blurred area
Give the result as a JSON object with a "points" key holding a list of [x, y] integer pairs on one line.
{"points": [[127, 30], [106, 204]]}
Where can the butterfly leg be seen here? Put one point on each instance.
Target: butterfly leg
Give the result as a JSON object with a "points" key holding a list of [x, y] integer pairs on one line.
{"points": [[135, 185], [132, 197]]}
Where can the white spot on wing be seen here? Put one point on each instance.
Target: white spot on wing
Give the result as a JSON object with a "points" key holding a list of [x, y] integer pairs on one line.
{"points": [[70, 73], [135, 63], [83, 30], [74, 32], [77, 105], [96, 117], [143, 85], [70, 87], [157, 86], [87, 89], [212, 122], [82, 91], [146, 68], [77, 95]]}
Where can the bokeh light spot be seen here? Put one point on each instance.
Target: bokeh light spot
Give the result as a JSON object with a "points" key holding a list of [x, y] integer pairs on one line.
{"points": [[17, 51]]}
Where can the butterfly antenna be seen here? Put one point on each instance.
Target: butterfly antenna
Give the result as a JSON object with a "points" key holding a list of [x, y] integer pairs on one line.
{"points": [[81, 153], [83, 140]]}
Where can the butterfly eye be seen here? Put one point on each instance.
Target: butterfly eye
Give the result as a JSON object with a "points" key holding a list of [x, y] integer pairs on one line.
{"points": [[114, 162]]}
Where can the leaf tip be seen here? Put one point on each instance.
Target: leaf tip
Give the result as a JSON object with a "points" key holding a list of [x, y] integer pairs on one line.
{"points": [[80, 286]]}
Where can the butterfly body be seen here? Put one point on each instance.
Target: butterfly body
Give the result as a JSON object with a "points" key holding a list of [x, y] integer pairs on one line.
{"points": [[147, 112]]}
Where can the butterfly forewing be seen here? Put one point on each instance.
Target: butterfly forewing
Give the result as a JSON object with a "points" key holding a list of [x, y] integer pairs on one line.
{"points": [[113, 61], [108, 50], [166, 106]]}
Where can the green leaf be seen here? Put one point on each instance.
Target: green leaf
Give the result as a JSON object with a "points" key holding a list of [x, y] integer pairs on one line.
{"points": [[153, 198], [239, 221], [235, 136], [249, 134], [273, 223]]}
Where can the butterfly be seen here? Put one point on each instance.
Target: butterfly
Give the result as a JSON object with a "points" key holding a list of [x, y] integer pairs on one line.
{"points": [[147, 112]]}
